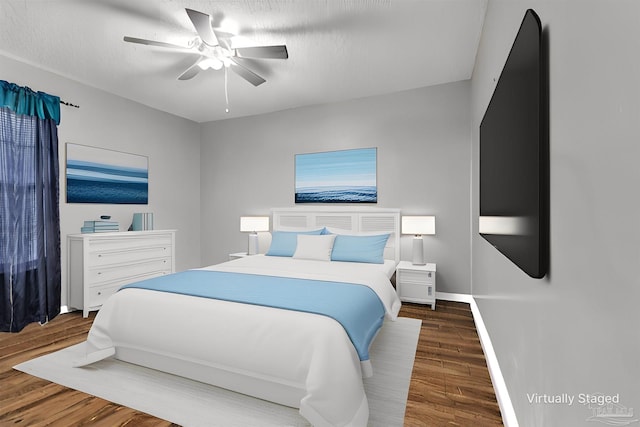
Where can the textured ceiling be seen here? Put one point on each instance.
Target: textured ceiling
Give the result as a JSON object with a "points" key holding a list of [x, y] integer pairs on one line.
{"points": [[338, 49]]}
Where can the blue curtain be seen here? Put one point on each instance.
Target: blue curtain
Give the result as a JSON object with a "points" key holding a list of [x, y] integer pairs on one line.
{"points": [[29, 207]]}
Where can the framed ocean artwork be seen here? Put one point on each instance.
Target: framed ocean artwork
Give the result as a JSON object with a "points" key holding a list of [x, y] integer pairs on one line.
{"points": [[98, 175], [345, 176]]}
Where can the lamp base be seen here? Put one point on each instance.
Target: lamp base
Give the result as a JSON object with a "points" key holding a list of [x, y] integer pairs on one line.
{"points": [[253, 244], [418, 251]]}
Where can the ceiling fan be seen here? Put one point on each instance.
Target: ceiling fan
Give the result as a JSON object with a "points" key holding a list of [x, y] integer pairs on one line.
{"points": [[215, 50]]}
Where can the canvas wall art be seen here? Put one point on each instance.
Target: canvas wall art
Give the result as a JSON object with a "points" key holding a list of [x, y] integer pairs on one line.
{"points": [[97, 175], [346, 176]]}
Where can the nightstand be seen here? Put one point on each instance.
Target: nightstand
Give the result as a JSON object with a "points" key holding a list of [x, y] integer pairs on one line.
{"points": [[416, 283]]}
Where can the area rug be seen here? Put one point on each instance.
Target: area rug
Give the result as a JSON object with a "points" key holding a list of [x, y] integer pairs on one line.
{"points": [[191, 403]]}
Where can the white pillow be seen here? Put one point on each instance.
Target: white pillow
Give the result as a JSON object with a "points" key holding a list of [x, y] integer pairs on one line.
{"points": [[316, 247]]}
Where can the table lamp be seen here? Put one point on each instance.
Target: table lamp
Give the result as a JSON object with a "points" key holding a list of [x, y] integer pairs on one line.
{"points": [[251, 225], [418, 226]]}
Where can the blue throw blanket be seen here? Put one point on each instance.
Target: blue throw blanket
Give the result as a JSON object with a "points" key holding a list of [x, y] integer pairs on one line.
{"points": [[356, 307]]}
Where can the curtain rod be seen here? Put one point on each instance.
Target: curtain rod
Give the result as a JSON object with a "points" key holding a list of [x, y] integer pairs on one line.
{"points": [[69, 104]]}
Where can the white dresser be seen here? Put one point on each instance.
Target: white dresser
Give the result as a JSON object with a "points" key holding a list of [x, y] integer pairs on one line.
{"points": [[98, 264]]}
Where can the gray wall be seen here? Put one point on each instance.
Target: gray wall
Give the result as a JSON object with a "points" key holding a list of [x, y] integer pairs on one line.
{"points": [[203, 177], [107, 121], [422, 138], [576, 331]]}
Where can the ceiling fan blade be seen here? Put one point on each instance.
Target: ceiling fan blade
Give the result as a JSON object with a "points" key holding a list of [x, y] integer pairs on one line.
{"points": [[202, 23], [223, 38], [153, 43], [246, 73], [192, 71], [275, 52]]}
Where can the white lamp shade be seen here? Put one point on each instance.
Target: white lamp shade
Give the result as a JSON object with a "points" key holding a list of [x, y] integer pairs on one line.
{"points": [[418, 225], [249, 224]]}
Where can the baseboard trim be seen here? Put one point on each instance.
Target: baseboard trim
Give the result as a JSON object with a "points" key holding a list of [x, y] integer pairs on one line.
{"points": [[500, 387], [502, 394], [447, 296]]}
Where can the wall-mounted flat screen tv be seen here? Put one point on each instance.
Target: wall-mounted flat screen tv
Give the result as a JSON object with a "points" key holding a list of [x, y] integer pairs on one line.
{"points": [[513, 156]]}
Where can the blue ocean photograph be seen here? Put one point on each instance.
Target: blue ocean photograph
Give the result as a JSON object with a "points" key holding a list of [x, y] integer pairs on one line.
{"points": [[97, 175], [345, 176]]}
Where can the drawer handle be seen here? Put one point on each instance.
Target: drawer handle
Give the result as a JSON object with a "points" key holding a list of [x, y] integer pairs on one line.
{"points": [[99, 293]]}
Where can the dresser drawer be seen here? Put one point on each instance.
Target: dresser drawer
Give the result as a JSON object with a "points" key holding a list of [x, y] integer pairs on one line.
{"points": [[108, 243], [104, 257], [99, 275], [97, 295]]}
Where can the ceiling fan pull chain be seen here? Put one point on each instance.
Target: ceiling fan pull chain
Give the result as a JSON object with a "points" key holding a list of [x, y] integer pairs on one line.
{"points": [[226, 91]]}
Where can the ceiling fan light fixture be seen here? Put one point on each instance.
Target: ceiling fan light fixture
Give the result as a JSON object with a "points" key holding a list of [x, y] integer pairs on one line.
{"points": [[213, 63], [217, 64]]}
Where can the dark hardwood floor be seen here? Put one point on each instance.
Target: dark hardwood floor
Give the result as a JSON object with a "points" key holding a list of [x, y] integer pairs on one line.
{"points": [[450, 385]]}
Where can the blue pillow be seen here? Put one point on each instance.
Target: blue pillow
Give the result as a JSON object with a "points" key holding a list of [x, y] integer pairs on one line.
{"points": [[284, 243], [359, 248]]}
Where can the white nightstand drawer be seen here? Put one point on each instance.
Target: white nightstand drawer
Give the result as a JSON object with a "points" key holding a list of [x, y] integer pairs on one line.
{"points": [[417, 277], [411, 291]]}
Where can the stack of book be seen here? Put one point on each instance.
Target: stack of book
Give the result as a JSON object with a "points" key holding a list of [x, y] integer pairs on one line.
{"points": [[100, 226]]}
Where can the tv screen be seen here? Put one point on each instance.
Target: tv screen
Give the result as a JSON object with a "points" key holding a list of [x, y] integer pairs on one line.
{"points": [[513, 159]]}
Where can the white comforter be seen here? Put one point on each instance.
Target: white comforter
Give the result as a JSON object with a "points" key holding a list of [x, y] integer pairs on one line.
{"points": [[285, 349]]}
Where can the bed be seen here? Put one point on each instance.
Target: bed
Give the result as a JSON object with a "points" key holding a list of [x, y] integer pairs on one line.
{"points": [[300, 357]]}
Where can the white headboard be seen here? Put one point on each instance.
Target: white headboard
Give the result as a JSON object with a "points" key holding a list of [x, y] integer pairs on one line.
{"points": [[347, 218]]}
